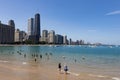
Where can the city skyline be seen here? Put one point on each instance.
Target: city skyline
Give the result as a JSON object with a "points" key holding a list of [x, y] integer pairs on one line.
{"points": [[92, 21]]}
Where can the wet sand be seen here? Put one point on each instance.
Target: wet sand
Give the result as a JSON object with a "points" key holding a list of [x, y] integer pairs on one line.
{"points": [[36, 71]]}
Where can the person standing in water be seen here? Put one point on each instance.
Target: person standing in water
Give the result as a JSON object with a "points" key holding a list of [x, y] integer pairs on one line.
{"points": [[65, 69], [59, 67], [35, 59]]}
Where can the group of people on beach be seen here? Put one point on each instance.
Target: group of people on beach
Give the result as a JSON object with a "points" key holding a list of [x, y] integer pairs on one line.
{"points": [[65, 68]]}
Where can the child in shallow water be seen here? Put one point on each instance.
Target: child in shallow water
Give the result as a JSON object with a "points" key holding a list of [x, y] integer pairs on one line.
{"points": [[65, 69]]}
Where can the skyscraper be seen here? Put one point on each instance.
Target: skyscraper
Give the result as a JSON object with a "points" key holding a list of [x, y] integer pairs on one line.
{"points": [[30, 26], [65, 39], [37, 31], [34, 31]]}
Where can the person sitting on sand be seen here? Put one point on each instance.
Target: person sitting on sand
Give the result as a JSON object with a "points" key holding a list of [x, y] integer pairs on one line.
{"points": [[65, 69], [59, 67]]}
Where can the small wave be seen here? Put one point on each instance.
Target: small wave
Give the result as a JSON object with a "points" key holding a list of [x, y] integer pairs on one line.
{"points": [[24, 63], [72, 73], [96, 75], [115, 78], [75, 74]]}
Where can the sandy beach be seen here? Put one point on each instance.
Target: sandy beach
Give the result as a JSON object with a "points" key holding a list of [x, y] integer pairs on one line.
{"points": [[25, 71], [37, 71]]}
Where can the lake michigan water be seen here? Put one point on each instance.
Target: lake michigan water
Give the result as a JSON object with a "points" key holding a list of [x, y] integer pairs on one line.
{"points": [[102, 61]]}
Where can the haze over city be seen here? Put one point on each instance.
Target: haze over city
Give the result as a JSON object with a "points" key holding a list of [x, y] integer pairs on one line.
{"points": [[90, 20]]}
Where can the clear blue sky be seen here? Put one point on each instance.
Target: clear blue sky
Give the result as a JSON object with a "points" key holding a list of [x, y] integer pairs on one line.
{"points": [[90, 20]]}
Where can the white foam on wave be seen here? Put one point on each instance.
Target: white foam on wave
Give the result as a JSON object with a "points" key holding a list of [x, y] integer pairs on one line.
{"points": [[75, 74], [72, 73], [96, 75], [115, 78], [101, 76], [24, 63]]}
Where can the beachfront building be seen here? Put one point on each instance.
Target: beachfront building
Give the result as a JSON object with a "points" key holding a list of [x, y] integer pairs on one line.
{"points": [[20, 36], [58, 39], [65, 39], [7, 32], [44, 37], [51, 37]]}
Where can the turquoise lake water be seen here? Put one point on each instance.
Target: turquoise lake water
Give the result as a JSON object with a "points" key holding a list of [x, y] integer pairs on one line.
{"points": [[102, 59]]}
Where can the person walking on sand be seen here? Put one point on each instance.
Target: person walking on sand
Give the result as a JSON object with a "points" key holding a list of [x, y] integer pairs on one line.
{"points": [[65, 69], [59, 67]]}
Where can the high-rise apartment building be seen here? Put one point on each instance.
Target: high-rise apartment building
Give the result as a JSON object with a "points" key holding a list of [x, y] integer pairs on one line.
{"points": [[37, 25], [44, 36], [34, 31], [7, 32], [17, 35], [20, 36], [51, 37], [65, 39], [58, 39], [30, 26]]}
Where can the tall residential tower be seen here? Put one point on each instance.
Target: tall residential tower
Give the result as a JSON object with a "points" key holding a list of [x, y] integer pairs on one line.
{"points": [[37, 25], [34, 31], [51, 37], [30, 26]]}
